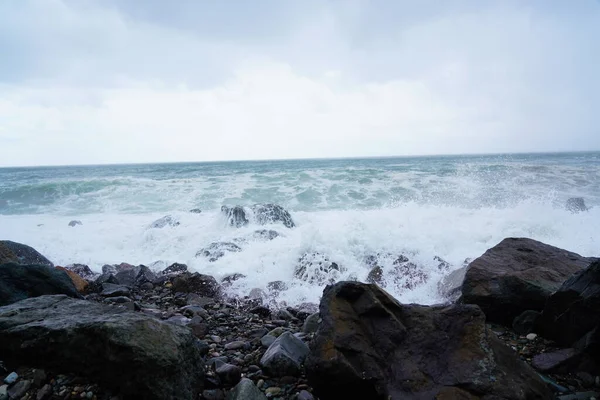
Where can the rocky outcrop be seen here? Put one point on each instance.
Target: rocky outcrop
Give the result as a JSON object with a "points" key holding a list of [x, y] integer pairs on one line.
{"points": [[576, 205], [368, 346], [23, 253], [216, 250], [271, 214], [316, 268], [236, 216], [571, 314], [19, 282], [167, 220], [517, 275], [137, 355]]}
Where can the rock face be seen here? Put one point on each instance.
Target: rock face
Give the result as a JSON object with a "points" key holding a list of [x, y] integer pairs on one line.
{"points": [[517, 275], [19, 282], [272, 213], [216, 250], [571, 313], [576, 205], [23, 253], [368, 346], [236, 216], [167, 220], [135, 354]]}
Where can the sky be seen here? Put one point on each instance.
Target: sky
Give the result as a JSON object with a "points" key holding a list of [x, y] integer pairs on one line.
{"points": [[124, 81]]}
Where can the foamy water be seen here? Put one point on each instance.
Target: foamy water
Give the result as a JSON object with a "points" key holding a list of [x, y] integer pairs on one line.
{"points": [[451, 207]]}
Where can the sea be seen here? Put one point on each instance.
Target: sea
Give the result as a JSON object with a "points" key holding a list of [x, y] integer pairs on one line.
{"points": [[345, 210]]}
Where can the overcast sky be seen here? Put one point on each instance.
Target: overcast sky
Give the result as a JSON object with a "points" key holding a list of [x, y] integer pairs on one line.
{"points": [[109, 81]]}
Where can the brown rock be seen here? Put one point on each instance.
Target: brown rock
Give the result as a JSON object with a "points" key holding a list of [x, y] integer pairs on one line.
{"points": [[80, 283]]}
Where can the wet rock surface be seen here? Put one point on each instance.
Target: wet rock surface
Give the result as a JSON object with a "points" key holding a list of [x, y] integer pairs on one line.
{"points": [[24, 254], [167, 220], [216, 250]]}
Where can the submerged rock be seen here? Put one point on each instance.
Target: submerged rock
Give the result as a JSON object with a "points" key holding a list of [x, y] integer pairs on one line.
{"points": [[408, 275], [376, 276], [316, 268], [23, 253], [265, 234], [272, 213], [517, 275], [196, 211], [135, 354], [216, 250], [75, 223], [167, 220], [369, 346], [576, 205], [236, 216], [19, 282]]}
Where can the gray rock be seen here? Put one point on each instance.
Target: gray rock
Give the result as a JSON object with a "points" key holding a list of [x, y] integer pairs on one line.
{"points": [[83, 271], [44, 392], [112, 290], [175, 268], [450, 285], [167, 220], [18, 282], [118, 300], [267, 340], [198, 327], [229, 374], [3, 392], [18, 389], [196, 211], [11, 378], [554, 361], [131, 352], [75, 223], [304, 395], [135, 276], [199, 284], [272, 213], [236, 216], [217, 250], [245, 390], [236, 345], [22, 254], [285, 356], [213, 394], [311, 323], [576, 205]]}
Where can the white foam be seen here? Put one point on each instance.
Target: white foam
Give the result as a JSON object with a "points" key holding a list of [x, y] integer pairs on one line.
{"points": [[345, 236]]}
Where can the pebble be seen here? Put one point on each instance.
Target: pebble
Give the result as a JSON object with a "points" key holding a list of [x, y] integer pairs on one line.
{"points": [[235, 345], [11, 378], [273, 391], [4, 392], [531, 336], [304, 395], [260, 383]]}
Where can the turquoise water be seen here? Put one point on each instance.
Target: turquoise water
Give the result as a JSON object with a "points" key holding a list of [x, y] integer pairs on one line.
{"points": [[454, 207]]}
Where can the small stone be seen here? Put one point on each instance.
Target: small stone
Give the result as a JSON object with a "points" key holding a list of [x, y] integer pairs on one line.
{"points": [[267, 341], [531, 336], [17, 390], [235, 345], [273, 391], [260, 383], [304, 395], [229, 374], [246, 390], [11, 378]]}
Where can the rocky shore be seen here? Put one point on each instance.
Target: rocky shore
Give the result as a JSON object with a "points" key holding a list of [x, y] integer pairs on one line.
{"points": [[521, 322]]}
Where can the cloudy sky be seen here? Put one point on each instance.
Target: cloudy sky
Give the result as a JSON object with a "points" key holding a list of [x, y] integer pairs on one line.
{"points": [[110, 81]]}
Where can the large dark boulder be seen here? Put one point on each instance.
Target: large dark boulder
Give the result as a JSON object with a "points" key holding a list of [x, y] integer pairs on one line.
{"points": [[574, 310], [19, 282], [24, 254], [137, 355], [517, 275], [369, 346], [203, 285], [272, 213], [135, 276]]}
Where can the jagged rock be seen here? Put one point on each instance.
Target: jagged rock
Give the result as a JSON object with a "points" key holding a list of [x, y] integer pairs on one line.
{"points": [[236, 216], [376, 276], [19, 282], [576, 205], [167, 220], [229, 374], [109, 269], [80, 283], [316, 268], [451, 284], [517, 275], [265, 234], [229, 279], [135, 276], [246, 390], [175, 268], [83, 271], [24, 254], [75, 223], [277, 286], [571, 313], [525, 322], [196, 211], [272, 213], [203, 285], [369, 346], [408, 275], [285, 356], [137, 355], [216, 250]]}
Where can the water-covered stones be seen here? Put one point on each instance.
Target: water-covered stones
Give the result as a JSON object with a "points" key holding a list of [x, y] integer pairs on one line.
{"points": [[236, 216], [369, 346], [316, 268], [167, 220], [272, 213], [516, 275], [216, 250], [135, 354]]}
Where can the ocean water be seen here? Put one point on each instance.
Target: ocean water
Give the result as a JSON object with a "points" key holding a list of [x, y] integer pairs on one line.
{"points": [[452, 207]]}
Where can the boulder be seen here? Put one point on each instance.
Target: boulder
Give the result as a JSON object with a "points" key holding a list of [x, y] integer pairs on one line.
{"points": [[236, 216], [316, 268], [517, 275], [132, 353], [285, 356], [369, 346], [265, 234], [83, 271], [167, 220], [576, 205], [74, 223], [135, 276], [175, 268], [216, 250], [196, 211], [23, 253], [451, 284], [571, 313], [272, 213], [80, 284], [246, 390], [203, 285], [19, 282]]}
